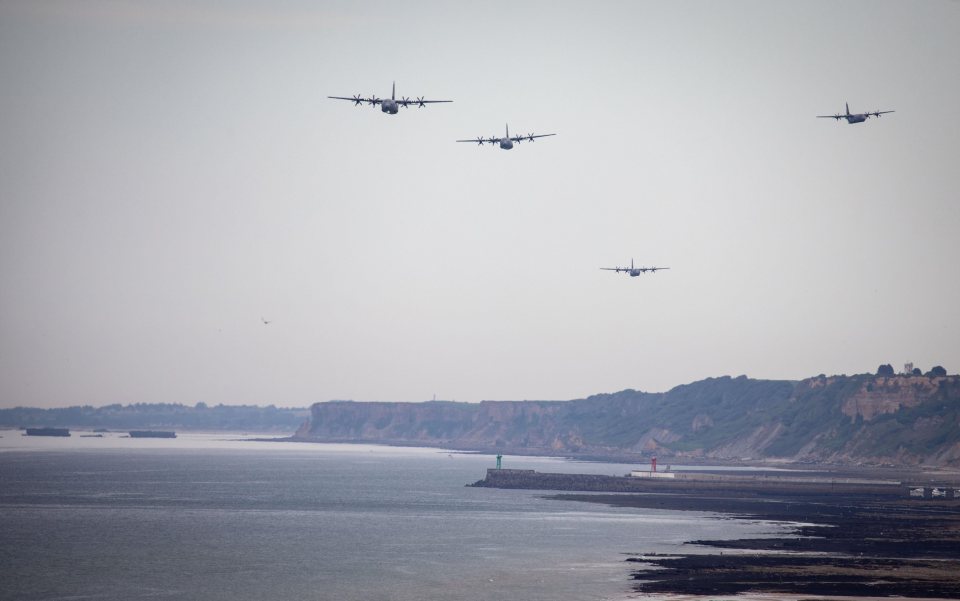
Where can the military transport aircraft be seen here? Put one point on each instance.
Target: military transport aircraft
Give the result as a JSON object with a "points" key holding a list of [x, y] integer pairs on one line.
{"points": [[506, 142], [389, 105], [856, 117], [633, 271]]}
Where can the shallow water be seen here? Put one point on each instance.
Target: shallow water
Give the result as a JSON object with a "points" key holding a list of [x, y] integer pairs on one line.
{"points": [[213, 517]]}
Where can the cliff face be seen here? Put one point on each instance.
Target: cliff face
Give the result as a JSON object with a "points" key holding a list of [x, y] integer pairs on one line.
{"points": [[401, 422], [841, 419], [890, 394]]}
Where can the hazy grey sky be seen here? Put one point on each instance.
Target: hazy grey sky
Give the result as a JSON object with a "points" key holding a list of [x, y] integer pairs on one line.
{"points": [[171, 172]]}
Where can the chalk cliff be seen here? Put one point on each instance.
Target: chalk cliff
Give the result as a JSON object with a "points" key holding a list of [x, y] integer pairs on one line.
{"points": [[861, 419]]}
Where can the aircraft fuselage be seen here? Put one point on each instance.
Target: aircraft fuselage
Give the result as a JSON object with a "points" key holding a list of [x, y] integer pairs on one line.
{"points": [[389, 106], [506, 143], [855, 118]]}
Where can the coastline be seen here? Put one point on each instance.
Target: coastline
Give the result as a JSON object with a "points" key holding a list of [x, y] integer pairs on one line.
{"points": [[845, 543], [842, 547]]}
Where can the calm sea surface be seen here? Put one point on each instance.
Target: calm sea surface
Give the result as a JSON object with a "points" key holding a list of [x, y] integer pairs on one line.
{"points": [[208, 517]]}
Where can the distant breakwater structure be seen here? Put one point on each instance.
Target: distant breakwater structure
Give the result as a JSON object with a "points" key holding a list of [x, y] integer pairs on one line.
{"points": [[47, 432], [152, 434]]}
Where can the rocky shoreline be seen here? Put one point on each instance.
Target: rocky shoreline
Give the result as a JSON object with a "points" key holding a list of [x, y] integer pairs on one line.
{"points": [[843, 545], [856, 533]]}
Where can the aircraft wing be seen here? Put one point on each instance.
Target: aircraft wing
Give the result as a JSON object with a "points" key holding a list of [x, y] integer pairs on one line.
{"points": [[358, 99], [837, 117], [418, 102], [530, 137], [480, 140], [615, 268], [653, 268], [878, 113]]}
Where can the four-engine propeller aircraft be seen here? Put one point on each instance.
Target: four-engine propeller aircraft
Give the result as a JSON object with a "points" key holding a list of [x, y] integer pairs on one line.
{"points": [[633, 271], [389, 105], [854, 118], [506, 142], [392, 106]]}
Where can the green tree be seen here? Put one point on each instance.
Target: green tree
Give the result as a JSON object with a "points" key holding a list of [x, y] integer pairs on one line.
{"points": [[885, 370]]}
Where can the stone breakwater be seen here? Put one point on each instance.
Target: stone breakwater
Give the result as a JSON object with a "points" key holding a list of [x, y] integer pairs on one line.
{"points": [[693, 484]]}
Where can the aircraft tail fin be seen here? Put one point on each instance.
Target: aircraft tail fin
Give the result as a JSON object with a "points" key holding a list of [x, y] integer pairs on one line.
{"points": [[393, 91], [508, 130], [848, 108]]}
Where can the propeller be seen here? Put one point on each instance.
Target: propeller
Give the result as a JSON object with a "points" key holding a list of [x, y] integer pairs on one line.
{"points": [[420, 103], [405, 102], [480, 140], [493, 140], [373, 100], [530, 137], [357, 100]]}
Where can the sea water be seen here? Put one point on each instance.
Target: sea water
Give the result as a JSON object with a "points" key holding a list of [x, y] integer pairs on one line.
{"points": [[210, 517]]}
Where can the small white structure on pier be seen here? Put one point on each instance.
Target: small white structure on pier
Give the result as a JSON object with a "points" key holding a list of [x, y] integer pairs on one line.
{"points": [[652, 473]]}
